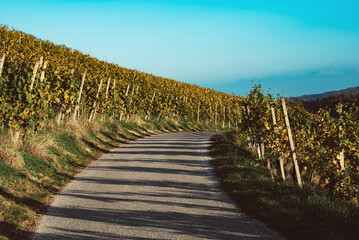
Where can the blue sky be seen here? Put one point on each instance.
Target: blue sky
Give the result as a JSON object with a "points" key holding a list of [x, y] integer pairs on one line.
{"points": [[292, 47]]}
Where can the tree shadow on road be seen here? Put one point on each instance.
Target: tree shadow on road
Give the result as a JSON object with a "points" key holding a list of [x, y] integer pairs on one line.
{"points": [[181, 224], [165, 208]]}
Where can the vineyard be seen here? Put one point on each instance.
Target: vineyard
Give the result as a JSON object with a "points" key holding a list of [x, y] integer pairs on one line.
{"points": [[41, 81], [299, 146]]}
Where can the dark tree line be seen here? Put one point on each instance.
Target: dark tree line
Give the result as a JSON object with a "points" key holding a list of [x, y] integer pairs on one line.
{"points": [[331, 103]]}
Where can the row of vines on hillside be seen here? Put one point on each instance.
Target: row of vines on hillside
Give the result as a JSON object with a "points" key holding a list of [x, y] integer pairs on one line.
{"points": [[41, 81], [326, 148]]}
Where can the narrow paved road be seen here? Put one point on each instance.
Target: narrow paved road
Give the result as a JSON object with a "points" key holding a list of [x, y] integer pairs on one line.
{"points": [[160, 187]]}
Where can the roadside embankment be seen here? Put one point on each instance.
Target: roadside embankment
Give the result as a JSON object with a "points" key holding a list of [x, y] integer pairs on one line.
{"points": [[297, 213], [32, 171]]}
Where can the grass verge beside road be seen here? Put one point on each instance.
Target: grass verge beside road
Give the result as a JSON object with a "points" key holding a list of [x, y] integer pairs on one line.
{"points": [[31, 172], [296, 213]]}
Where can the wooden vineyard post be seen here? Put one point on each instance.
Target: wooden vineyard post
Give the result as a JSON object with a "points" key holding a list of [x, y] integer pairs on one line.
{"points": [[114, 97], [149, 112], [15, 135], [41, 61], [123, 105], [128, 88], [34, 75], [93, 112], [132, 93], [235, 119], [278, 148], [153, 97], [199, 105], [42, 77], [262, 148], [215, 115], [229, 116], [79, 97], [249, 137], [224, 116], [107, 87], [238, 116], [2, 60], [159, 116], [341, 154], [58, 118], [106, 95], [258, 151], [290, 137]]}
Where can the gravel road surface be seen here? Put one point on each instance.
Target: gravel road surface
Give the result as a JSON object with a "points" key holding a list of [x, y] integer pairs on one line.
{"points": [[159, 187]]}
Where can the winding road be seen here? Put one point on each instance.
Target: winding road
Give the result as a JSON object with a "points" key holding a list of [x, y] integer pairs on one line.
{"points": [[159, 187]]}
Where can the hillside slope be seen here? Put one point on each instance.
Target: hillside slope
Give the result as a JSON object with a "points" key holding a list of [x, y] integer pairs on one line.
{"points": [[41, 80], [311, 97]]}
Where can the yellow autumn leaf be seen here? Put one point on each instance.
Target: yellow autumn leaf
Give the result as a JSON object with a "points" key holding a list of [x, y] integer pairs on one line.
{"points": [[266, 125]]}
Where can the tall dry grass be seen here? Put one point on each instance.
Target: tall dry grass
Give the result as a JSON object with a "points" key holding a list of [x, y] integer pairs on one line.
{"points": [[8, 152]]}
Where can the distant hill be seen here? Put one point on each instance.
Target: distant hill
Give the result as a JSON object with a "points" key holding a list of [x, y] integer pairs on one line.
{"points": [[349, 91], [329, 100]]}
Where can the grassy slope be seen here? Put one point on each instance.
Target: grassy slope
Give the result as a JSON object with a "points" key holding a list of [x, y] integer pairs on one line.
{"points": [[294, 212], [31, 173]]}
